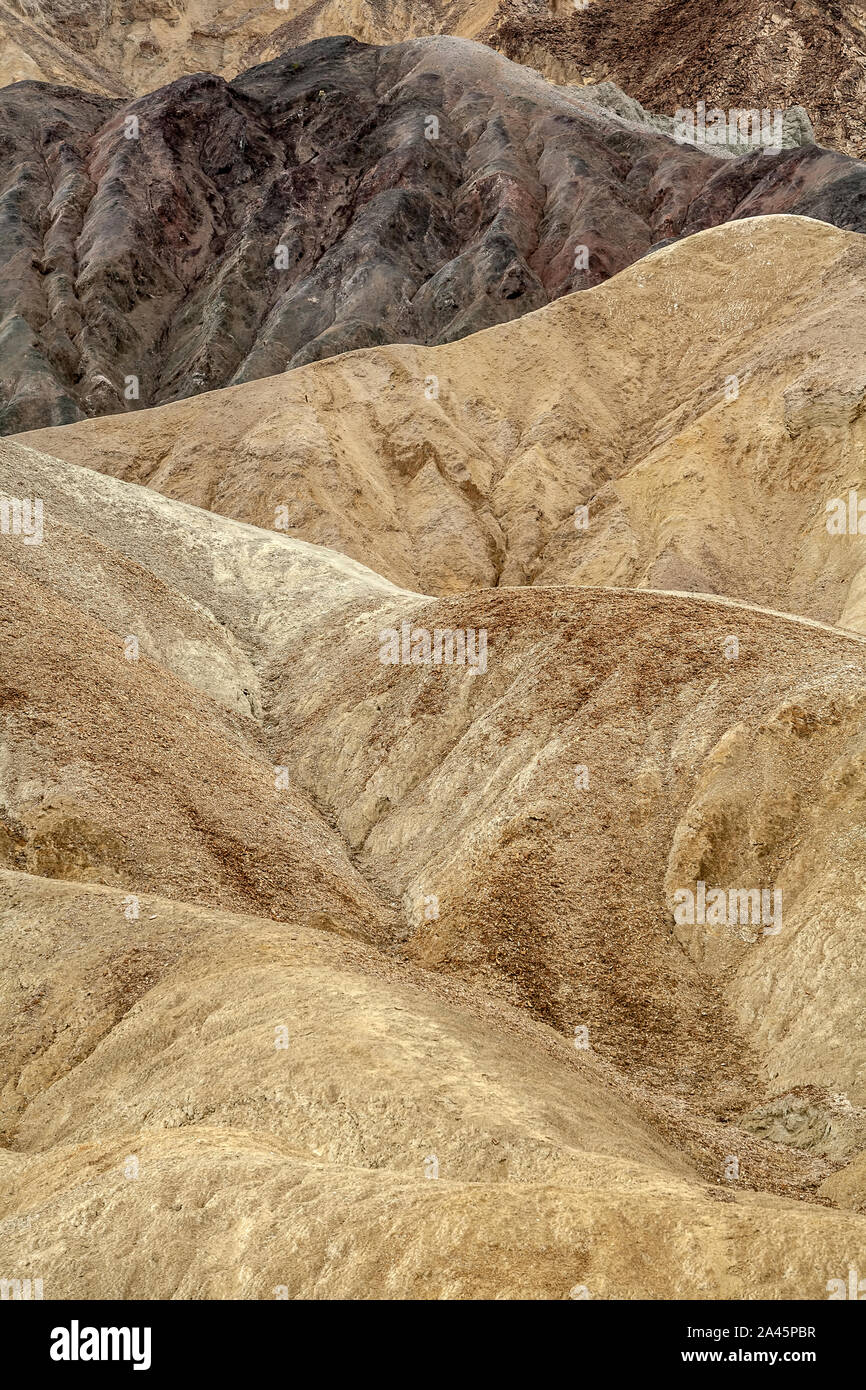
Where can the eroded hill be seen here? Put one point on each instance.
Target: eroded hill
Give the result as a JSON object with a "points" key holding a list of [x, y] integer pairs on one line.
{"points": [[704, 407], [467, 869], [342, 196], [665, 53]]}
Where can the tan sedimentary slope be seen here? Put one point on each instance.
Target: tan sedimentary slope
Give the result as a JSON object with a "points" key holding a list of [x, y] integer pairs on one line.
{"points": [[529, 903], [704, 404], [259, 651], [736, 771], [149, 770], [123, 49], [35, 49], [158, 1144]]}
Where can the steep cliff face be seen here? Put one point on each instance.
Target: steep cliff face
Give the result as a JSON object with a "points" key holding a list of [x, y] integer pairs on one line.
{"points": [[339, 197]]}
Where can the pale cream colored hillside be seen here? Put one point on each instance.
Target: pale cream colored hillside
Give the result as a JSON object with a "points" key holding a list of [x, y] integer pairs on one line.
{"points": [[705, 405], [132, 743]]}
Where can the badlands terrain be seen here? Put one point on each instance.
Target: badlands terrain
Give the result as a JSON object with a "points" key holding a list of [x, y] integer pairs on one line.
{"points": [[704, 406], [664, 53], [338, 961], [340, 197]]}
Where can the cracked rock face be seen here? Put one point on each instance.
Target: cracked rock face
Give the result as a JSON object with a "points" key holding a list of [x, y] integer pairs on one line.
{"points": [[342, 196]]}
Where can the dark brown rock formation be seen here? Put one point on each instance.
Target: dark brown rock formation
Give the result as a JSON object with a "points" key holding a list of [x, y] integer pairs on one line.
{"points": [[338, 197]]}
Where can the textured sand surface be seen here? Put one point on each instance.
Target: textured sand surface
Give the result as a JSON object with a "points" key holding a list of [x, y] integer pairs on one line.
{"points": [[190, 1158]]}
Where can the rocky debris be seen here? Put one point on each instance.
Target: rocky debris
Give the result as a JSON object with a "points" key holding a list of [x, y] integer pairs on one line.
{"points": [[809, 1118]]}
